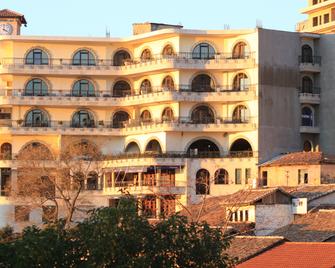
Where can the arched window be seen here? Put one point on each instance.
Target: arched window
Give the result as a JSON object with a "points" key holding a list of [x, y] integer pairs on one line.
{"points": [[168, 51], [83, 119], [121, 89], [153, 147], [202, 182], [203, 51], [92, 182], [37, 57], [83, 149], [306, 54], [167, 115], [203, 83], [120, 118], [240, 50], [146, 87], [241, 148], [6, 151], [36, 118], [202, 115], [121, 57], [146, 55], [307, 117], [307, 85], [36, 87], [168, 83], [35, 151], [146, 117], [221, 176], [241, 82], [83, 57], [308, 147], [203, 148], [83, 88], [132, 148], [240, 114]]}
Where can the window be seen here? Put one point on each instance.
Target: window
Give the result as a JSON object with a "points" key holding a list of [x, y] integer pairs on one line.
{"points": [[83, 119], [302, 176], [83, 57], [203, 83], [120, 119], [168, 205], [247, 175], [203, 148], [36, 118], [203, 51], [21, 213], [49, 214], [146, 117], [315, 21], [221, 177], [307, 117], [146, 87], [167, 115], [6, 151], [149, 206], [83, 88], [239, 51], [121, 57], [202, 115], [132, 148], [37, 57], [121, 89], [307, 54], [168, 51], [36, 87], [307, 85], [246, 215], [241, 82], [240, 114], [202, 182], [307, 147], [241, 148], [326, 18], [146, 55], [5, 175], [92, 182], [153, 147], [238, 176], [264, 179], [168, 83]]}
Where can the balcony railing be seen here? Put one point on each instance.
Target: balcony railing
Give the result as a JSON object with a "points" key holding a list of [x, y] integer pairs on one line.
{"points": [[181, 57], [310, 91], [310, 60]]}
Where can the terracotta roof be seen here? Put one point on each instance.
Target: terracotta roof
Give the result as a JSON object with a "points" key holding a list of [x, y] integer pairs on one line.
{"points": [[7, 13], [213, 209], [310, 192], [246, 247], [295, 255], [300, 158], [315, 226]]}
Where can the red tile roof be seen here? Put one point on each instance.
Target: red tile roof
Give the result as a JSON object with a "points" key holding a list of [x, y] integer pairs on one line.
{"points": [[310, 192], [295, 255], [300, 158], [7, 13]]}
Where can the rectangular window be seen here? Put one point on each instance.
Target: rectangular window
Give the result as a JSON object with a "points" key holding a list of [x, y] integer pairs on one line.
{"points": [[241, 216], [246, 215], [238, 173], [326, 18], [315, 21], [21, 213], [247, 175], [264, 178], [302, 176]]}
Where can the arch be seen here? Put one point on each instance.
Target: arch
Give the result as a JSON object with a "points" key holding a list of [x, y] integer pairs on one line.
{"points": [[83, 88], [240, 114], [121, 57], [145, 87], [37, 56], [202, 114], [307, 146], [168, 83], [36, 87], [146, 117], [6, 151], [203, 83], [306, 54], [84, 57], [221, 176], [307, 85], [82, 149], [35, 151], [146, 55], [168, 51], [203, 148], [167, 115], [153, 146], [132, 148], [121, 89], [83, 119], [202, 182], [240, 50], [36, 118], [92, 182], [119, 119], [241, 82], [307, 116], [203, 51], [241, 148]]}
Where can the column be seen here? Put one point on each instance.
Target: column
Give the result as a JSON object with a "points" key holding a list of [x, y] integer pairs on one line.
{"points": [[113, 179], [158, 207], [158, 177], [140, 179]]}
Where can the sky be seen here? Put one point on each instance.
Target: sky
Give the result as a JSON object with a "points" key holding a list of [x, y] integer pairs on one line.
{"points": [[93, 17]]}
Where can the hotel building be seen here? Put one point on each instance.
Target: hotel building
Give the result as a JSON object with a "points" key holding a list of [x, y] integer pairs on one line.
{"points": [[171, 109]]}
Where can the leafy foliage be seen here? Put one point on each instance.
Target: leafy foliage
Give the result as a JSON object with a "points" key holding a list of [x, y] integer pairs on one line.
{"points": [[118, 237]]}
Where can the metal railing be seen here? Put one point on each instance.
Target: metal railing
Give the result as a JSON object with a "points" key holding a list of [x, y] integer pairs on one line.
{"points": [[310, 91], [310, 60]]}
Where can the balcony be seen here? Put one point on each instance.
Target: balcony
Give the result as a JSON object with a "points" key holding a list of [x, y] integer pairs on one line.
{"points": [[309, 130], [318, 7], [310, 64], [310, 96], [103, 67]]}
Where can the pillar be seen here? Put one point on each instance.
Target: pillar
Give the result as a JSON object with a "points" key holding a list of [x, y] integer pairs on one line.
{"points": [[158, 207], [113, 179]]}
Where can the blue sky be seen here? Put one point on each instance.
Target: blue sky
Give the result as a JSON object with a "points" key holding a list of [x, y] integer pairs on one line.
{"points": [[91, 17]]}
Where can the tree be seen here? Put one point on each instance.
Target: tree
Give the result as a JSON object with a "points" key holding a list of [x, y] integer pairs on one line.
{"points": [[57, 184], [119, 237]]}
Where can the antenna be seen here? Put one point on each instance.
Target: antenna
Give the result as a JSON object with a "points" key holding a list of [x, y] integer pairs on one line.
{"points": [[226, 27], [108, 33], [259, 23]]}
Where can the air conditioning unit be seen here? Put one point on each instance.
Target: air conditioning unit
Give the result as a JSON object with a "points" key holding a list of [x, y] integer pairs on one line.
{"points": [[299, 205]]}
